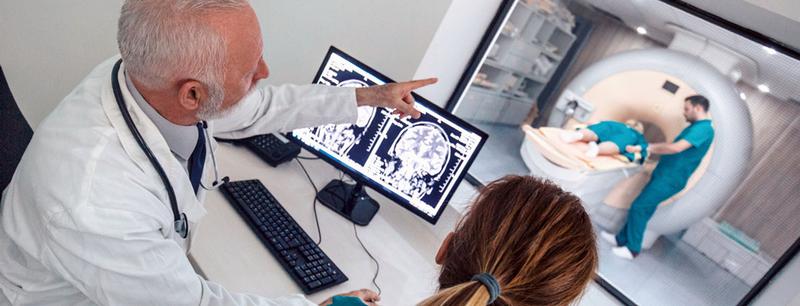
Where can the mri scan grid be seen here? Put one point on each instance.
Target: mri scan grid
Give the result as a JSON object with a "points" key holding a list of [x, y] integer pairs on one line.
{"points": [[418, 160]]}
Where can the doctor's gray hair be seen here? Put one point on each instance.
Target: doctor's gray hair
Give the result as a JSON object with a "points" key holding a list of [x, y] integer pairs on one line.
{"points": [[162, 41]]}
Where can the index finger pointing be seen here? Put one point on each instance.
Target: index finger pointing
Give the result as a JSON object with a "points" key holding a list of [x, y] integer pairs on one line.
{"points": [[411, 85]]}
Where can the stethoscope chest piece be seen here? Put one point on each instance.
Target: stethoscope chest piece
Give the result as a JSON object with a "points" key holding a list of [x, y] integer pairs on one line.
{"points": [[182, 226]]}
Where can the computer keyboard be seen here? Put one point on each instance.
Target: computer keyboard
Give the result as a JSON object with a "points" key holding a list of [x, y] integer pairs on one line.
{"points": [[309, 267], [272, 149]]}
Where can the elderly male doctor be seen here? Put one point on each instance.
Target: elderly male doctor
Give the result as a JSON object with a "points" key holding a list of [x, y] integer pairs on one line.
{"points": [[87, 219]]}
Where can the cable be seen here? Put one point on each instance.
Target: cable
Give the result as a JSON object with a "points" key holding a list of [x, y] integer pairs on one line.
{"points": [[307, 158], [316, 191], [377, 265], [355, 230]]}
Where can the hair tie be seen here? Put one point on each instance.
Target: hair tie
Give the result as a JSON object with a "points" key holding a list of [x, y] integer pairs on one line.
{"points": [[491, 284]]}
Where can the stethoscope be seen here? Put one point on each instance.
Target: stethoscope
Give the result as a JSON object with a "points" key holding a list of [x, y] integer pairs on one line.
{"points": [[180, 222]]}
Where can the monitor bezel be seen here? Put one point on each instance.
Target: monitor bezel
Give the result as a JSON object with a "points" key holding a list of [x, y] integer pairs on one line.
{"points": [[376, 185]]}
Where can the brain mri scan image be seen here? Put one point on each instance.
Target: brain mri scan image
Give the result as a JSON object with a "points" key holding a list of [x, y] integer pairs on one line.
{"points": [[418, 157], [416, 161], [342, 137]]}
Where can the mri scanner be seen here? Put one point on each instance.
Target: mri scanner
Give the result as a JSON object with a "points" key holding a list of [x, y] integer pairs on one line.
{"points": [[634, 85]]}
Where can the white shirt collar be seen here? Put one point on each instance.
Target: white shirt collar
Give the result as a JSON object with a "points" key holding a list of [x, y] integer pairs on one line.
{"points": [[181, 139]]}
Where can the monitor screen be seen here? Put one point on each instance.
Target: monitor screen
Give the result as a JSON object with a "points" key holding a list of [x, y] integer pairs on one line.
{"points": [[418, 163]]}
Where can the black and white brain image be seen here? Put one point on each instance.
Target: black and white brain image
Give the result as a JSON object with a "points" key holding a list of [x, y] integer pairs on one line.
{"points": [[419, 157], [341, 137], [423, 149], [337, 137]]}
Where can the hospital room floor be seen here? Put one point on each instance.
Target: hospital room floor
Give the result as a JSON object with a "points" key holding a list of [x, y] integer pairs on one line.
{"points": [[670, 273]]}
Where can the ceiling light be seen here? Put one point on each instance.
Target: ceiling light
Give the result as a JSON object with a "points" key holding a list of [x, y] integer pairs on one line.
{"points": [[763, 88], [743, 96], [641, 30], [769, 50]]}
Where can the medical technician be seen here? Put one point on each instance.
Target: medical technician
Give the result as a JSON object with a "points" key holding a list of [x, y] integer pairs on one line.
{"points": [[105, 200], [678, 161]]}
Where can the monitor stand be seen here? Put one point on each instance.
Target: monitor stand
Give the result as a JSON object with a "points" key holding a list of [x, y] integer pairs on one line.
{"points": [[350, 201]]}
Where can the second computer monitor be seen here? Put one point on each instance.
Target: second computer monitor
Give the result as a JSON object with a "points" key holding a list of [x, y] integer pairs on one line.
{"points": [[415, 162]]}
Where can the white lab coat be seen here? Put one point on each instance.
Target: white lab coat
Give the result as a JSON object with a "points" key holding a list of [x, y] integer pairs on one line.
{"points": [[86, 219]]}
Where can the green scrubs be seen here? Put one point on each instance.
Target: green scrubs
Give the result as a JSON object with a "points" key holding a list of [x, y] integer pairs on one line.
{"points": [[669, 177], [621, 135], [347, 301]]}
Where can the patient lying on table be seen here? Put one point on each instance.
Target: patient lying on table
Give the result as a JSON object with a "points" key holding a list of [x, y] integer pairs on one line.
{"points": [[612, 138]]}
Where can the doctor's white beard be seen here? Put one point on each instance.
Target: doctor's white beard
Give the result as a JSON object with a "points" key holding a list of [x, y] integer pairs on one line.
{"points": [[213, 108]]}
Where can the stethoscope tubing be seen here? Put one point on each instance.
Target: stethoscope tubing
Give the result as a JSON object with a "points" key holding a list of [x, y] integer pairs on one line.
{"points": [[179, 218]]}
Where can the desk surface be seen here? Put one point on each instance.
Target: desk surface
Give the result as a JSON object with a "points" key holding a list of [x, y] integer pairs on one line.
{"points": [[229, 253]]}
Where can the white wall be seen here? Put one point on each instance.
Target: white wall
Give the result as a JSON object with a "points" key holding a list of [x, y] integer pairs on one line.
{"points": [[390, 36], [48, 46], [452, 47]]}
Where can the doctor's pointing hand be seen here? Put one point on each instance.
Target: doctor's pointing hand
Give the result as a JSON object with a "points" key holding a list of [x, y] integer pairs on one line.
{"points": [[395, 96], [105, 201]]}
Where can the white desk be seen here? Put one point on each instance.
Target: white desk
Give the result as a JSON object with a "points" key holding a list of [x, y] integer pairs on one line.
{"points": [[229, 253]]}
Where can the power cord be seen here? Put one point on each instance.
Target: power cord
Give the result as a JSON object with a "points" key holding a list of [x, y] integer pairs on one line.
{"points": [[377, 265], [316, 191], [355, 230]]}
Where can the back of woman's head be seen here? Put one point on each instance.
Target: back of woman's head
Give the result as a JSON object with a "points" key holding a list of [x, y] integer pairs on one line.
{"points": [[533, 237]]}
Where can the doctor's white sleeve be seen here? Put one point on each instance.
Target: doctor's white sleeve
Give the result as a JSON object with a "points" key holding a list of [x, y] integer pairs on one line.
{"points": [[284, 108], [116, 253]]}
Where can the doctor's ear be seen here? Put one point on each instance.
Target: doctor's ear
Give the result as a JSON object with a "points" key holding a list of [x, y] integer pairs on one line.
{"points": [[190, 94]]}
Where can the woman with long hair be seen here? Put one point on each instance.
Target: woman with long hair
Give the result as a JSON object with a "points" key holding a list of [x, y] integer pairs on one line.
{"points": [[524, 241]]}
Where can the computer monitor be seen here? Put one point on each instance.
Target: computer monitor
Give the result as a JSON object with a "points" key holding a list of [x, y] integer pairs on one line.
{"points": [[417, 163]]}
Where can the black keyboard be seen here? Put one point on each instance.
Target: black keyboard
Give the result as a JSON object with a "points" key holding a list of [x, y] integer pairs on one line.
{"points": [[310, 268], [272, 149]]}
